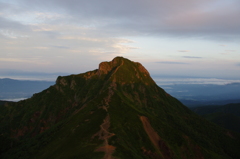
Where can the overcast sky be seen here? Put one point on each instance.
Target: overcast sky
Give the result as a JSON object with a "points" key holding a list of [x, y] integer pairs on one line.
{"points": [[198, 38]]}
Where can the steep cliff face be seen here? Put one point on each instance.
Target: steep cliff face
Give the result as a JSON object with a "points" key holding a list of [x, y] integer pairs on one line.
{"points": [[116, 111]]}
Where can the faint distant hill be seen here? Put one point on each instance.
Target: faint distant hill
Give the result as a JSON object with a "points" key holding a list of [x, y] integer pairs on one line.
{"points": [[12, 89], [227, 116], [199, 103], [205, 94]]}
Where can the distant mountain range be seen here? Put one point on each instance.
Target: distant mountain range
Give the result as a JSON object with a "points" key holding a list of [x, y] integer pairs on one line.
{"points": [[205, 94], [11, 89], [114, 112], [198, 103]]}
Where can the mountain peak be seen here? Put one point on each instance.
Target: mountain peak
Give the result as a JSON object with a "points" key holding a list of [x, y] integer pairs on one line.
{"points": [[124, 70], [106, 67]]}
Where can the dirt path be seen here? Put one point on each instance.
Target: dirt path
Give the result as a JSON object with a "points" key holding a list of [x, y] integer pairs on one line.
{"points": [[104, 134]]}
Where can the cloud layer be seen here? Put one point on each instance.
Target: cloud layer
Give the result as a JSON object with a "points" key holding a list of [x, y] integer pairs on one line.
{"points": [[37, 35], [216, 19]]}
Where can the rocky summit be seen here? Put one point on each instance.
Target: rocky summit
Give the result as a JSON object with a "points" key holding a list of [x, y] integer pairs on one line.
{"points": [[114, 112]]}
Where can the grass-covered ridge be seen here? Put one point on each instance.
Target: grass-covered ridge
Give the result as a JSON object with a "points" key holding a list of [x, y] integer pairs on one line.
{"points": [[115, 111]]}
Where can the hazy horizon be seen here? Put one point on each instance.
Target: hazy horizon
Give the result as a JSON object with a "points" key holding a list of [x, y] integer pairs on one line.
{"points": [[183, 88], [158, 78]]}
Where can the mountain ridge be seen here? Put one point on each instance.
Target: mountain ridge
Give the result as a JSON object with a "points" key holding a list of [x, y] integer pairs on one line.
{"points": [[115, 111]]}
